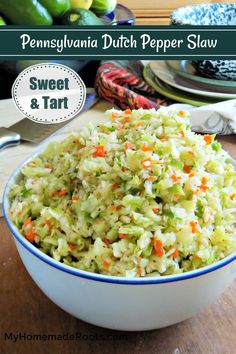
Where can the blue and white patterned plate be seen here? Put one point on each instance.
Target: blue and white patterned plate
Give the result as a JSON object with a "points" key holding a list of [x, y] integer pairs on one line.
{"points": [[205, 15], [209, 15]]}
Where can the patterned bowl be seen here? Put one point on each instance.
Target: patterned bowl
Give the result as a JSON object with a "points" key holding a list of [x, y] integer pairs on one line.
{"points": [[209, 15]]}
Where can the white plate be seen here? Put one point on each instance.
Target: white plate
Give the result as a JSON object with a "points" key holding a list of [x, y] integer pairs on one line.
{"points": [[165, 74]]}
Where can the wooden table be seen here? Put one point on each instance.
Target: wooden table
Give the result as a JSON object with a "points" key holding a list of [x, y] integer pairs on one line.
{"points": [[24, 309], [153, 12]]}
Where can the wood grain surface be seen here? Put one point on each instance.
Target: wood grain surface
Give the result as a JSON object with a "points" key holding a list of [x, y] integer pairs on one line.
{"points": [[153, 12]]}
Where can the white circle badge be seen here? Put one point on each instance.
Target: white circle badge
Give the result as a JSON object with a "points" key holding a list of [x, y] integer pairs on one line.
{"points": [[49, 93]]}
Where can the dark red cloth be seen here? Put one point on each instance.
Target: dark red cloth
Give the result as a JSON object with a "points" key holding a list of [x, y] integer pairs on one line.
{"points": [[124, 88]]}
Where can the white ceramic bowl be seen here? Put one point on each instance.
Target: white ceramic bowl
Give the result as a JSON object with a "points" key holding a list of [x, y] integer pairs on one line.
{"points": [[116, 302]]}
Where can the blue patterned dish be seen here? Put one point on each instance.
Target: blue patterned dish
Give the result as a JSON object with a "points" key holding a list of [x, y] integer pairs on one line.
{"points": [[121, 16], [209, 15]]}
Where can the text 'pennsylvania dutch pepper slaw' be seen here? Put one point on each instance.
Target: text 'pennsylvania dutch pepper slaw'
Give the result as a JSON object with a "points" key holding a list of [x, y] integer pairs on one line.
{"points": [[140, 195]]}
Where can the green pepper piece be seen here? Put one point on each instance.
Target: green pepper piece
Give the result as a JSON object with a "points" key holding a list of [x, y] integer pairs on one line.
{"points": [[2, 22], [25, 12], [56, 7]]}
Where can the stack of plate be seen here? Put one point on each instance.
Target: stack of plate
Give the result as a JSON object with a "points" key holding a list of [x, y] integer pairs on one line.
{"points": [[179, 81]]}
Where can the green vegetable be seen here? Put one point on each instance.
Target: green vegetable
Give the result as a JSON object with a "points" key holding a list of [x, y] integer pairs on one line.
{"points": [[176, 189], [216, 146], [177, 163], [103, 7], [2, 22], [56, 7], [81, 17], [25, 12], [199, 209], [169, 214]]}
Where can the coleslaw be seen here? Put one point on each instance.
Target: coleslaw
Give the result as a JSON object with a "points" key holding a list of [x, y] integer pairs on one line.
{"points": [[139, 195]]}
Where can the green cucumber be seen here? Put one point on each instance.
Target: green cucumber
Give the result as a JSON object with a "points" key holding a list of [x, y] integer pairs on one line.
{"points": [[81, 17], [103, 7], [25, 12], [56, 7], [2, 22]]}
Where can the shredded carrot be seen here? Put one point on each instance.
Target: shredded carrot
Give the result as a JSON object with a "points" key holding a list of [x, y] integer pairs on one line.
{"points": [[139, 270], [163, 138], [182, 113], [177, 196], [112, 208], [100, 151], [19, 213], [152, 178], [146, 148], [232, 196], [27, 222], [155, 210], [128, 145], [106, 264], [72, 245], [48, 223], [192, 174], [175, 178], [203, 187], [47, 165], [114, 115], [204, 180], [193, 225], [159, 248], [30, 235], [126, 120], [124, 236], [208, 138], [152, 242], [128, 111], [97, 222], [75, 197], [120, 194], [175, 254], [147, 163], [115, 186], [62, 193], [107, 242], [187, 169], [196, 258], [139, 124]]}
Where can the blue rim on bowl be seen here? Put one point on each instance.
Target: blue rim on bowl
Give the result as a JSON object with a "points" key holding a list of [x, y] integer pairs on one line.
{"points": [[93, 276]]}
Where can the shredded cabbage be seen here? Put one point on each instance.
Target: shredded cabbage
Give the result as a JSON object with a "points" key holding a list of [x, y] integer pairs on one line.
{"points": [[140, 195]]}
